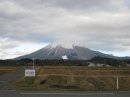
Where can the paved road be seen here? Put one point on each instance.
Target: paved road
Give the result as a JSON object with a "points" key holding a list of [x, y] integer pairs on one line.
{"points": [[61, 94], [7, 79]]}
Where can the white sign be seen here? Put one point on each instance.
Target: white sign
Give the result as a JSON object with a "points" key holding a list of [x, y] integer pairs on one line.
{"points": [[29, 72]]}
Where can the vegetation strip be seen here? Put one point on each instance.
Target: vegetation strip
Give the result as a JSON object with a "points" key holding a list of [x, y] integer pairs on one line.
{"points": [[67, 93]]}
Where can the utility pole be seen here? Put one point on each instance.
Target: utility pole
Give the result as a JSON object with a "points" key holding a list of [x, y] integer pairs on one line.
{"points": [[117, 79], [33, 64]]}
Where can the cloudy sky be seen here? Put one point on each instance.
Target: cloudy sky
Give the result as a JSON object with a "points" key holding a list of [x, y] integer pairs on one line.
{"points": [[28, 25]]}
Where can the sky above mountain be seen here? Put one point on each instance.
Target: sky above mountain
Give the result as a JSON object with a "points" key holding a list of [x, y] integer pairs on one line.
{"points": [[28, 25]]}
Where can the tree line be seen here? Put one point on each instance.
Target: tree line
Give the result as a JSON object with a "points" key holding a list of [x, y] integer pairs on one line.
{"points": [[95, 60]]}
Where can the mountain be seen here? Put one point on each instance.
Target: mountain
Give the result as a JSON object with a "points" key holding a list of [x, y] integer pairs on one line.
{"points": [[72, 52]]}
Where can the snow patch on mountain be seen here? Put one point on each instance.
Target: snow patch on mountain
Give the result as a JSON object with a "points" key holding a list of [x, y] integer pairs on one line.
{"points": [[64, 57], [67, 45]]}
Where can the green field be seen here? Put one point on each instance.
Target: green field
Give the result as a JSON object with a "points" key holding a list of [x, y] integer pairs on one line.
{"points": [[74, 78]]}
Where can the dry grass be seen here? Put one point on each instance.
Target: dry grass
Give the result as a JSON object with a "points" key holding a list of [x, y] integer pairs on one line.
{"points": [[84, 71], [5, 70], [77, 78]]}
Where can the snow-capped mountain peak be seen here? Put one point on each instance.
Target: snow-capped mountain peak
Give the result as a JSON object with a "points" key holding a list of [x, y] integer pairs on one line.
{"points": [[63, 45], [65, 51]]}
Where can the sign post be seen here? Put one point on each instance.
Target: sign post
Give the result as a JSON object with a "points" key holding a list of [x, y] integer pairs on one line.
{"points": [[30, 73]]}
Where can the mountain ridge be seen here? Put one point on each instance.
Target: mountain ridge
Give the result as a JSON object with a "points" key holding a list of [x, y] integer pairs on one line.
{"points": [[74, 52]]}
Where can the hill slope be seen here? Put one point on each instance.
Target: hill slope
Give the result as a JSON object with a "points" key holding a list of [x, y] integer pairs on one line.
{"points": [[59, 52]]}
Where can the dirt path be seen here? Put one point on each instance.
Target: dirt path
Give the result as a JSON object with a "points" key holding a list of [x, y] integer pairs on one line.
{"points": [[7, 79]]}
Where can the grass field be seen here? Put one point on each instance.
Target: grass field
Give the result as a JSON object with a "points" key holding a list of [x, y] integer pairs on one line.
{"points": [[63, 78], [5, 69]]}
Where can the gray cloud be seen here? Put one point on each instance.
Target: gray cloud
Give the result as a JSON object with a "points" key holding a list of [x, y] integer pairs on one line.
{"points": [[97, 24], [7, 44]]}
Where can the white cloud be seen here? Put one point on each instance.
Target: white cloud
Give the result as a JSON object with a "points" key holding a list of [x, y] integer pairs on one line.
{"points": [[97, 24], [10, 50]]}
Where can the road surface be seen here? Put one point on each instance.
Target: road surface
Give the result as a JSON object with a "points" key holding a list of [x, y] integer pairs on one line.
{"points": [[7, 79], [11, 93]]}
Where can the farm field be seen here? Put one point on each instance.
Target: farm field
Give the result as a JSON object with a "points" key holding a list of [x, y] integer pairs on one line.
{"points": [[77, 78], [6, 69]]}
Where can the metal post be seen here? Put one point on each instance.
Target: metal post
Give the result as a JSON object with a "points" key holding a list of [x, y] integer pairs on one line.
{"points": [[117, 83], [72, 79], [33, 63]]}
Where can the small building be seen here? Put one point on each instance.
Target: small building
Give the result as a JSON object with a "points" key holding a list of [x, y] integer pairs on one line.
{"points": [[90, 64]]}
